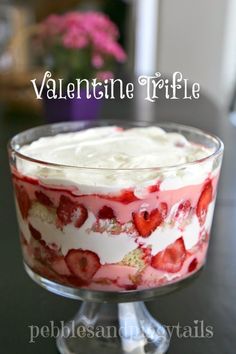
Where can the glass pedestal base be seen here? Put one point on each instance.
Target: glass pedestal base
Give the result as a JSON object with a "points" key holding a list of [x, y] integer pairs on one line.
{"points": [[113, 329], [112, 322]]}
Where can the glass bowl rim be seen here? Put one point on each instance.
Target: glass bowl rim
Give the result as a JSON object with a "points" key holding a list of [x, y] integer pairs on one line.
{"points": [[108, 122]]}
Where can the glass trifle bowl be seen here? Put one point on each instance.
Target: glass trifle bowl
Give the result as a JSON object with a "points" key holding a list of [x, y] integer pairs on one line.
{"points": [[114, 213]]}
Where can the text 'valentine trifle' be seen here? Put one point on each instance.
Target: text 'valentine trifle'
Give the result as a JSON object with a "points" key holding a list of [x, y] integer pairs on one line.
{"points": [[113, 208]]}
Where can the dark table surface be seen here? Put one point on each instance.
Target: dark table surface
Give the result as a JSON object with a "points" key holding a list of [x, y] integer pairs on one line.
{"points": [[211, 298]]}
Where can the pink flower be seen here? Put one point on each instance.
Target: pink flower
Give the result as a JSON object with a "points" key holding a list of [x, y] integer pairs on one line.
{"points": [[97, 61], [75, 39], [78, 30], [102, 43], [96, 22], [116, 51], [73, 19], [105, 75]]}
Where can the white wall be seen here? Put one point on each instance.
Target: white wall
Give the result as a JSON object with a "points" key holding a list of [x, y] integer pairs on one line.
{"points": [[229, 58], [198, 38]]}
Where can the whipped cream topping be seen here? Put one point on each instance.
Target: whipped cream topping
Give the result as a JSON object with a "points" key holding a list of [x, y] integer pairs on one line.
{"points": [[111, 147]]}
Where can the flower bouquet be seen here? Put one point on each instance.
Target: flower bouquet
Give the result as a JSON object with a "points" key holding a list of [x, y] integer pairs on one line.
{"points": [[80, 45]]}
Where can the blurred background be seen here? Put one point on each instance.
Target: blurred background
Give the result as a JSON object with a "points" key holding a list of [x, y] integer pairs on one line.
{"points": [[197, 38]]}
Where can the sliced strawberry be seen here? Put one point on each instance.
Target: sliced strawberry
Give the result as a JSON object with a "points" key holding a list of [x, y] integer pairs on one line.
{"points": [[23, 200], [60, 267], [83, 264], [35, 233], [183, 209], [106, 213], [172, 258], [154, 188], [147, 255], [146, 222], [163, 208], [83, 215], [126, 197], [193, 265], [204, 201], [75, 281], [66, 209], [43, 199], [130, 287]]}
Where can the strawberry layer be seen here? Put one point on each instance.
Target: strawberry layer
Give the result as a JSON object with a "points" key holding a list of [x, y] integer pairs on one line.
{"points": [[46, 241], [117, 277], [123, 208]]}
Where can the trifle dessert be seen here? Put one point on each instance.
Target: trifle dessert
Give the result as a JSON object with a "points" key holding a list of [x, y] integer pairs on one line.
{"points": [[115, 208]]}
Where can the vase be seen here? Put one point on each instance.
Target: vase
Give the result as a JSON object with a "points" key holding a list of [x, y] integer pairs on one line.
{"points": [[71, 109]]}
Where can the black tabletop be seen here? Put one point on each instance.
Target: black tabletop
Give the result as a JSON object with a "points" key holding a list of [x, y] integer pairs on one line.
{"points": [[210, 298]]}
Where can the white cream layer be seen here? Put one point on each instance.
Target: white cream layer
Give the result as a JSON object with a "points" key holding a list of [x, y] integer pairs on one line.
{"points": [[112, 248], [104, 148]]}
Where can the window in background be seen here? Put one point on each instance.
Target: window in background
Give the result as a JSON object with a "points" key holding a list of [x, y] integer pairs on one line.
{"points": [[146, 36]]}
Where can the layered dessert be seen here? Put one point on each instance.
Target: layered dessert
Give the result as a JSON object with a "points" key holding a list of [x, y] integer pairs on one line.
{"points": [[115, 209]]}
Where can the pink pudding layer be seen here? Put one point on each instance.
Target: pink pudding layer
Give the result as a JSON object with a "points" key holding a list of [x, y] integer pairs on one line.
{"points": [[114, 242]]}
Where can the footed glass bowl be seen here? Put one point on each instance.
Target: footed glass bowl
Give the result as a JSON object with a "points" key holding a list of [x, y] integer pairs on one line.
{"points": [[114, 237]]}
